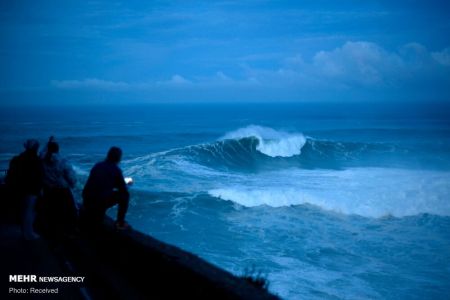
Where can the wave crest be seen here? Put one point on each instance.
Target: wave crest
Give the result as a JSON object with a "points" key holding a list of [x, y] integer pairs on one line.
{"points": [[270, 142]]}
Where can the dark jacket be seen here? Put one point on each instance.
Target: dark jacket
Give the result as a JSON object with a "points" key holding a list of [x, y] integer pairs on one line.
{"points": [[105, 178], [25, 174], [58, 173]]}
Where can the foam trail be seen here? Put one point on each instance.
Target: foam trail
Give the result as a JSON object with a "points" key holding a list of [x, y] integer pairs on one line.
{"points": [[271, 142], [366, 192]]}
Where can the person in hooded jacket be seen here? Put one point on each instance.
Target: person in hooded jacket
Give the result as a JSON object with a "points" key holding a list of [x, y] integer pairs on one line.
{"points": [[60, 213]]}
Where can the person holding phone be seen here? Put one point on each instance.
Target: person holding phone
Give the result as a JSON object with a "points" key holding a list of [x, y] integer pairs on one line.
{"points": [[105, 188]]}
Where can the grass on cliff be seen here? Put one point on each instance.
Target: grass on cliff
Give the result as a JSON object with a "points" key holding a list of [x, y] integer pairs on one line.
{"points": [[255, 278]]}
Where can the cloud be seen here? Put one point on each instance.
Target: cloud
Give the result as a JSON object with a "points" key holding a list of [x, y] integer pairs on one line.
{"points": [[218, 79], [176, 80], [442, 57], [222, 80], [357, 62], [91, 83], [100, 84], [362, 67]]}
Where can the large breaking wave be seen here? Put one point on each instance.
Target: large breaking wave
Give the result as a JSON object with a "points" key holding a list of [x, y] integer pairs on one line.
{"points": [[257, 165], [254, 148]]}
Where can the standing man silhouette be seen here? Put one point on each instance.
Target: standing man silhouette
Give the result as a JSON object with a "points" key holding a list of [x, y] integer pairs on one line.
{"points": [[25, 179]]}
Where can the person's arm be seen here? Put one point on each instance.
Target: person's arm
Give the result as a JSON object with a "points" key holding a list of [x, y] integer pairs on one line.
{"points": [[69, 174], [11, 174], [37, 177], [120, 183]]}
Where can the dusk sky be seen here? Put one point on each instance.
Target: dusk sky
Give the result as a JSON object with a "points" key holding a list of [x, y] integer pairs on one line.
{"points": [[93, 52]]}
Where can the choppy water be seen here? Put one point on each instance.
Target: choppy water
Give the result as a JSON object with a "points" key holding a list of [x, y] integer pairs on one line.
{"points": [[327, 205]]}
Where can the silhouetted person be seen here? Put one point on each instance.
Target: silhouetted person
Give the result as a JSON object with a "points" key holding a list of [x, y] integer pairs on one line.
{"points": [[44, 150], [105, 188], [58, 209], [24, 179]]}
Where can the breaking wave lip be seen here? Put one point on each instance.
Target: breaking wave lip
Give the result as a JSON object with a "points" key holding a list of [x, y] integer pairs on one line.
{"points": [[271, 142]]}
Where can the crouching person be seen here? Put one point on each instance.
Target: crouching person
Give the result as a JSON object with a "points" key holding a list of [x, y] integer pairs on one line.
{"points": [[105, 188]]}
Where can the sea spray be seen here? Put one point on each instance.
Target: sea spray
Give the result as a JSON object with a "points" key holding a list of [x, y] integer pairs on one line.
{"points": [[271, 142]]}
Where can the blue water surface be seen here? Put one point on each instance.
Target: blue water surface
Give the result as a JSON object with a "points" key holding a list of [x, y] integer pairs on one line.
{"points": [[325, 201]]}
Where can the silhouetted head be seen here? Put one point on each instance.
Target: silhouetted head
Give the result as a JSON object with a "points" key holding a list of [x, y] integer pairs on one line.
{"points": [[31, 145], [114, 155], [52, 147]]}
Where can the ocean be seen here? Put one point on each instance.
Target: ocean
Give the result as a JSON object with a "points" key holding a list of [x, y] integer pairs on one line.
{"points": [[325, 201]]}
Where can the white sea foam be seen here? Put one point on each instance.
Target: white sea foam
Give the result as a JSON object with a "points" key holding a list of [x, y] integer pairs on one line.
{"points": [[370, 192], [271, 142]]}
